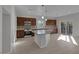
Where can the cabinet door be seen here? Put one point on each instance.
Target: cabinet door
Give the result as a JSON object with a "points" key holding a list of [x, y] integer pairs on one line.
{"points": [[51, 22], [32, 20], [20, 33], [20, 21]]}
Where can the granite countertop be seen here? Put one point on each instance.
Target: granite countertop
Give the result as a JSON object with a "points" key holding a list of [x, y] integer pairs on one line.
{"points": [[20, 27], [39, 29], [36, 30]]}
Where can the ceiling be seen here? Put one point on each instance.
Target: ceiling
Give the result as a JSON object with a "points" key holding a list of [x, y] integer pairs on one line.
{"points": [[52, 10]]}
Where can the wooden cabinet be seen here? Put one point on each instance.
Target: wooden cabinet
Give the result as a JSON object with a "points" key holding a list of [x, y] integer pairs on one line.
{"points": [[20, 25], [32, 20], [20, 33], [20, 21], [51, 22]]}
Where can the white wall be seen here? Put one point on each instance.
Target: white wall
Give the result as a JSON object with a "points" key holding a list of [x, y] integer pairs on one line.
{"points": [[74, 18], [9, 28], [6, 24], [0, 29], [13, 26]]}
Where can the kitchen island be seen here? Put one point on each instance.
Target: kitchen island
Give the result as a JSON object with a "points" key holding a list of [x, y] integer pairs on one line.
{"points": [[41, 37]]}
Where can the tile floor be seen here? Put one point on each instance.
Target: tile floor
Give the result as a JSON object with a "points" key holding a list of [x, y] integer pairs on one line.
{"points": [[55, 46]]}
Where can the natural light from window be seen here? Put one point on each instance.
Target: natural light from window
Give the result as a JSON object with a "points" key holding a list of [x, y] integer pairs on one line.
{"points": [[67, 38]]}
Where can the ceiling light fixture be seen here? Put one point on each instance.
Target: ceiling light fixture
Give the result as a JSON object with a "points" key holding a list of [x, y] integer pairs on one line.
{"points": [[44, 13]]}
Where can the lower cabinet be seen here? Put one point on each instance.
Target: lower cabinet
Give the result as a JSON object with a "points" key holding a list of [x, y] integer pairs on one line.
{"points": [[20, 33]]}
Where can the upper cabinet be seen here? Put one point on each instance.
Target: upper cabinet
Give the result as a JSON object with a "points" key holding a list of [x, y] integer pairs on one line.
{"points": [[20, 21], [32, 20], [51, 22], [52, 25]]}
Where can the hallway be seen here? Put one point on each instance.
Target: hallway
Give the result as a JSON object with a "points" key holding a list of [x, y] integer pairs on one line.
{"points": [[55, 46]]}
